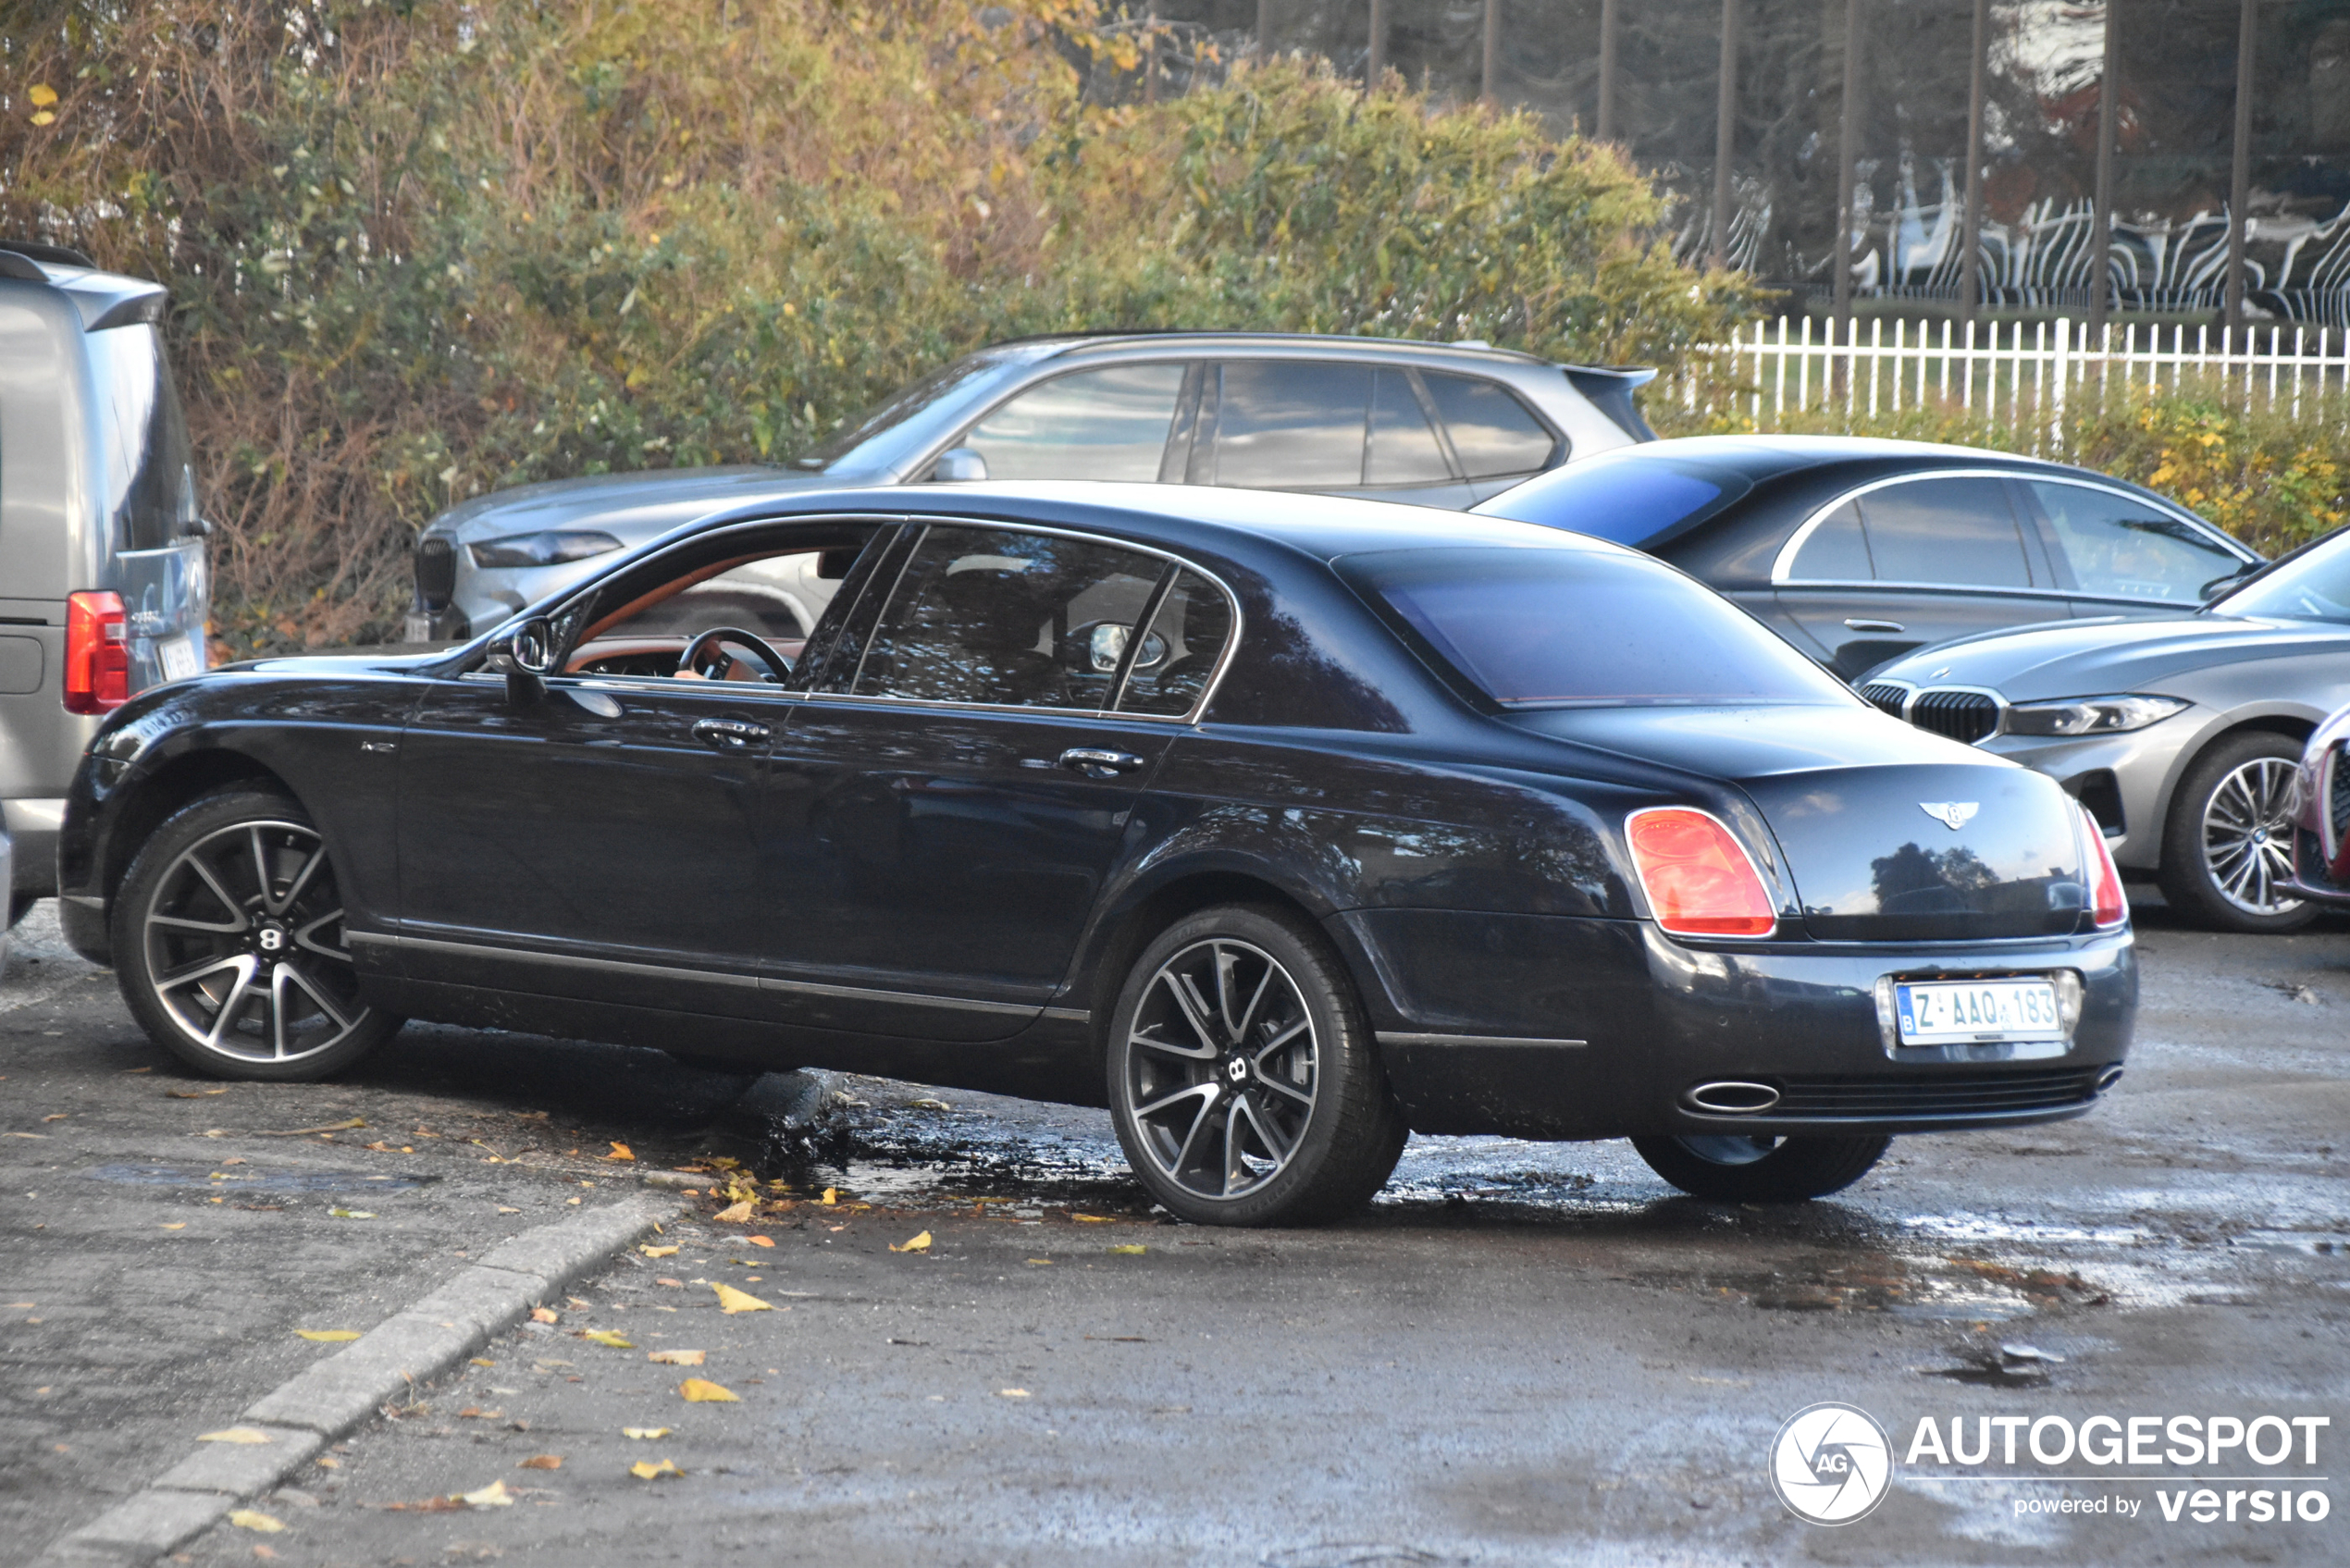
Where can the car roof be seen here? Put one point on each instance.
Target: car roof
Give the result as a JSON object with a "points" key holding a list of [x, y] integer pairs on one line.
{"points": [[1176, 517], [1076, 345]]}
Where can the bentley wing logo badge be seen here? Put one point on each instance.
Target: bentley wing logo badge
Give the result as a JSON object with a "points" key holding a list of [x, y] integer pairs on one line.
{"points": [[1951, 814]]}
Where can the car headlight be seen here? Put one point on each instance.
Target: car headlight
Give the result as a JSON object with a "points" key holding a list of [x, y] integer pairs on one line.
{"points": [[2090, 715], [549, 547]]}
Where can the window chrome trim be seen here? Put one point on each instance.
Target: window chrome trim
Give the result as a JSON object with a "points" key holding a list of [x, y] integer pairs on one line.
{"points": [[731, 978], [1783, 565], [1190, 717], [1390, 1037]]}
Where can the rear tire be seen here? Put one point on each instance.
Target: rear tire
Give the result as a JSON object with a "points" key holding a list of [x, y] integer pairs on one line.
{"points": [[2229, 838], [1761, 1170], [1245, 1082], [229, 944]]}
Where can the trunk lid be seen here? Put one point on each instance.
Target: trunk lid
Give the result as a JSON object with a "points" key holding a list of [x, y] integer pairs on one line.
{"points": [[1889, 834]]}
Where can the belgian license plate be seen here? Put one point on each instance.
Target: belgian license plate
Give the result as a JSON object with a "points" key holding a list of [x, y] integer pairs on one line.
{"points": [[179, 657], [1965, 1012]]}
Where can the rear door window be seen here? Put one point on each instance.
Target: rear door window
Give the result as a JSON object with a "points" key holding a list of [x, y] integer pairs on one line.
{"points": [[1956, 532], [1837, 552], [1186, 638], [1404, 449], [1107, 424], [1007, 618], [1493, 433], [1288, 424], [2122, 547]]}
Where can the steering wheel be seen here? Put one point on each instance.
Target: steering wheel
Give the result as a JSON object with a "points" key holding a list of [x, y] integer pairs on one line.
{"points": [[702, 647]]}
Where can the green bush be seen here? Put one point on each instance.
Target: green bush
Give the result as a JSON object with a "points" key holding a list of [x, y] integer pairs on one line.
{"points": [[423, 249]]}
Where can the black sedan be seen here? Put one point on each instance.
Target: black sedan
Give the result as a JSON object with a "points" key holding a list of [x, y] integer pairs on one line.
{"points": [[1281, 825], [1859, 551]]}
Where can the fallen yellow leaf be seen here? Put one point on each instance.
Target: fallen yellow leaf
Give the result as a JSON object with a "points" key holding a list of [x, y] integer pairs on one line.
{"points": [[352, 1213], [481, 1361], [621, 1152], [643, 1432], [606, 1337], [542, 1315], [494, 1495], [761, 1240], [329, 1462], [177, 1225], [236, 1435], [679, 1358], [646, 1470], [832, 1196], [918, 1244], [659, 1251], [250, 1519], [1092, 1218], [1131, 1248], [737, 1213], [328, 1335], [1042, 1262], [542, 1461], [702, 1390], [732, 1300]]}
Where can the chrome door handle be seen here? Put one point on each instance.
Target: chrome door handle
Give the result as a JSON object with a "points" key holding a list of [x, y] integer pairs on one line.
{"points": [[1876, 625], [1090, 759], [729, 734]]}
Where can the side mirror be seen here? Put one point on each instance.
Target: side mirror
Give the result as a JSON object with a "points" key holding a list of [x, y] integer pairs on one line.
{"points": [[530, 654], [2219, 586], [958, 466]]}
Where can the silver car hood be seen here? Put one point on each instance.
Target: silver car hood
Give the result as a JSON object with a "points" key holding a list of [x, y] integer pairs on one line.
{"points": [[2109, 654], [632, 507]]}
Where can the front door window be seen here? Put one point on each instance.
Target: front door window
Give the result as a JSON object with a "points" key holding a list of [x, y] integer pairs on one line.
{"points": [[1107, 424]]}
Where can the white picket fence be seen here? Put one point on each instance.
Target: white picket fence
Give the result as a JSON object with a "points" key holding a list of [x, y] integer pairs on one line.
{"points": [[2020, 374]]}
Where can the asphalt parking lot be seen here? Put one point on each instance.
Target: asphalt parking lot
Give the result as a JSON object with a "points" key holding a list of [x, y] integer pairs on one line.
{"points": [[1521, 1353]]}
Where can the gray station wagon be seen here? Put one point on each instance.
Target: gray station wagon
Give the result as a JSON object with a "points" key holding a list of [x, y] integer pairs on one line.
{"points": [[103, 589], [1442, 425]]}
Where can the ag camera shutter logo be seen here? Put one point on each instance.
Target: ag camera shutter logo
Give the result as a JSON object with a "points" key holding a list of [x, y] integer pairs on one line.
{"points": [[1831, 1464]]}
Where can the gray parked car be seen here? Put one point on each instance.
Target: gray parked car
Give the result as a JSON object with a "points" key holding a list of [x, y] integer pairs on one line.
{"points": [[1442, 424], [2181, 735], [102, 583]]}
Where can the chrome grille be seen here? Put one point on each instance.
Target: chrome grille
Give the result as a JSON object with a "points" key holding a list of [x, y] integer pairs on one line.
{"points": [[436, 573], [1890, 698], [2337, 783], [1965, 716]]}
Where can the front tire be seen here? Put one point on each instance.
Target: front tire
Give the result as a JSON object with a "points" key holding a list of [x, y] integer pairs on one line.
{"points": [[1244, 1080], [2229, 842], [1761, 1170], [229, 948]]}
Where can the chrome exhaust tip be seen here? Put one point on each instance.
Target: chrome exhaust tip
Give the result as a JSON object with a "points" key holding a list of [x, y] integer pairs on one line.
{"points": [[2108, 1077], [1731, 1098]]}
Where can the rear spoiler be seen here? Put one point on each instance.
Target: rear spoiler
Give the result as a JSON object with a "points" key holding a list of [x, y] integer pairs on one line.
{"points": [[1610, 387]]}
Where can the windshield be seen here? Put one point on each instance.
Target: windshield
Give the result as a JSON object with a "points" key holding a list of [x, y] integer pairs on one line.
{"points": [[1635, 500], [902, 405], [2313, 585], [1575, 628]]}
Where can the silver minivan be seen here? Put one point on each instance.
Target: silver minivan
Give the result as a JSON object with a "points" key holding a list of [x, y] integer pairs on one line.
{"points": [[104, 587]]}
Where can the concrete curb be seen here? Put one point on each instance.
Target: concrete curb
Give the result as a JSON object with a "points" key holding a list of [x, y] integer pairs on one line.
{"points": [[307, 1412]]}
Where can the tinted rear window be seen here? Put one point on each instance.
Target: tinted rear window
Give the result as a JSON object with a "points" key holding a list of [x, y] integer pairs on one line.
{"points": [[1636, 502], [1571, 628]]}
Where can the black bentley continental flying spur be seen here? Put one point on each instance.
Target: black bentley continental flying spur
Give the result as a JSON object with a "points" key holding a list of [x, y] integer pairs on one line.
{"points": [[1281, 825]]}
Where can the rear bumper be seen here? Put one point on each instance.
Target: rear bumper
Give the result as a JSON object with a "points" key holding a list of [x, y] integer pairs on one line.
{"points": [[1558, 1028]]}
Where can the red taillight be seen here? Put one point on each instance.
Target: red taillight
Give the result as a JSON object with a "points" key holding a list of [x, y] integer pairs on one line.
{"points": [[97, 653], [2108, 905], [1699, 878]]}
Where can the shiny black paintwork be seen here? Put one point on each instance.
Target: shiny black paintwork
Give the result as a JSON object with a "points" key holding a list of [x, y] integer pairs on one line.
{"points": [[903, 890]]}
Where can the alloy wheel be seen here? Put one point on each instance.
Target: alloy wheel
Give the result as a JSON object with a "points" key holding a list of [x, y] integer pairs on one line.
{"points": [[1222, 1067], [245, 943], [2247, 836]]}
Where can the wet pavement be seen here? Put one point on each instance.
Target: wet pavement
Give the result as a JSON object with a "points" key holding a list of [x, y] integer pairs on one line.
{"points": [[1521, 1353]]}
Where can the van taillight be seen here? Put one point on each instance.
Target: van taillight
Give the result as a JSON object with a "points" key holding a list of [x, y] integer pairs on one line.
{"points": [[97, 653], [1699, 878]]}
